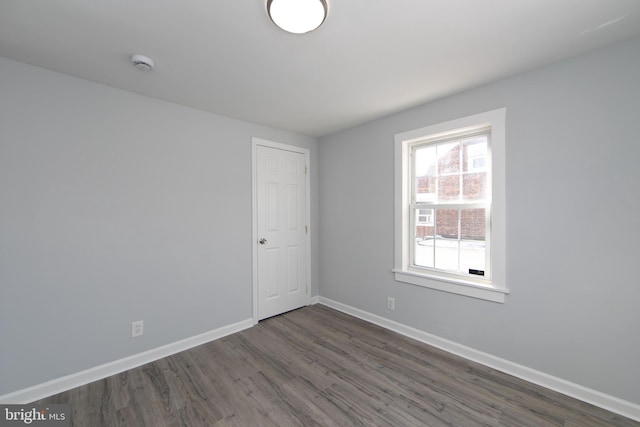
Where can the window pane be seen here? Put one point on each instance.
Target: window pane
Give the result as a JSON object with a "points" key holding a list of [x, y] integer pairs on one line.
{"points": [[447, 223], [423, 246], [474, 186], [474, 153], [425, 189], [472, 246], [446, 242], [425, 173], [473, 225], [448, 158], [474, 161], [472, 257], [449, 188]]}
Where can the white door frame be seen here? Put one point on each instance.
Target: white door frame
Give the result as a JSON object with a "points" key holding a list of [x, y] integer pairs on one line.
{"points": [[255, 142]]}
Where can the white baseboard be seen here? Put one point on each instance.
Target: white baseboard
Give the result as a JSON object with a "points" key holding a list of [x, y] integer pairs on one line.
{"points": [[314, 300], [602, 400], [68, 382]]}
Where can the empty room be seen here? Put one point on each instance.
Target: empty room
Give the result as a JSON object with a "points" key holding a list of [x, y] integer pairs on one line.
{"points": [[319, 212]]}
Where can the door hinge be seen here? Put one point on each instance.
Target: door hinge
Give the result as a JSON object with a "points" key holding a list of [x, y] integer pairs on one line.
{"points": [[305, 170], [306, 229]]}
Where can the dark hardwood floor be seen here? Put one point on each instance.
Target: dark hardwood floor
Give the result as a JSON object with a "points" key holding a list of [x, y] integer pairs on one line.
{"points": [[319, 367]]}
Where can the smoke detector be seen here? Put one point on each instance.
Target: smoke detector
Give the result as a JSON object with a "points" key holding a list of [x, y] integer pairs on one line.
{"points": [[142, 63]]}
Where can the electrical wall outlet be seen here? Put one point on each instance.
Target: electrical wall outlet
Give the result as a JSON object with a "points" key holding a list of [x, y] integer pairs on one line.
{"points": [[137, 328], [391, 303]]}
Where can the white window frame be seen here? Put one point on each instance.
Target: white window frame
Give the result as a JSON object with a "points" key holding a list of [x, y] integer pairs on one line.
{"points": [[493, 289]]}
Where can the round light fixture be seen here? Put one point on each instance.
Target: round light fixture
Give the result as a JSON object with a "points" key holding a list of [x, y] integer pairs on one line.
{"points": [[297, 16]]}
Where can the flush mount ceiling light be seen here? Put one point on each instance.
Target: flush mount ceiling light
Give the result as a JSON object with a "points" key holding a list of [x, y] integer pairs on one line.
{"points": [[297, 16]]}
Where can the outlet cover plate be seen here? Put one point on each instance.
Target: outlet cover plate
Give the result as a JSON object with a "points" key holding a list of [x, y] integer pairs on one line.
{"points": [[391, 303], [137, 328]]}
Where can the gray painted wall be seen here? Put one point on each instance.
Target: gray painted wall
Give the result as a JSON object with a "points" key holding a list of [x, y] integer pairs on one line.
{"points": [[117, 207], [573, 171]]}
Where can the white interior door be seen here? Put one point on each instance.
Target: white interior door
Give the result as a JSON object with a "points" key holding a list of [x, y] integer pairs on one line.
{"points": [[282, 230]]}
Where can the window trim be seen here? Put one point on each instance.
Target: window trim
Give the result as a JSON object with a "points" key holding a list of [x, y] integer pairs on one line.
{"points": [[494, 289]]}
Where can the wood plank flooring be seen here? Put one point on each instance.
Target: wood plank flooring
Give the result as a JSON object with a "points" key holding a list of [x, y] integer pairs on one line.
{"points": [[319, 367]]}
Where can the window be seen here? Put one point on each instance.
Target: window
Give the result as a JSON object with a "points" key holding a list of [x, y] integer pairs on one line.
{"points": [[450, 206], [445, 186]]}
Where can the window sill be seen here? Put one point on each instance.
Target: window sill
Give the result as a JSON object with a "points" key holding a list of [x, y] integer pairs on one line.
{"points": [[452, 285]]}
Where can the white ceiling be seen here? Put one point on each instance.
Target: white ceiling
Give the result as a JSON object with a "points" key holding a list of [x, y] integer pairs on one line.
{"points": [[370, 57]]}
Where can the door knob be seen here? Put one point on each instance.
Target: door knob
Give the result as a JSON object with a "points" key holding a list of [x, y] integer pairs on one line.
{"points": [[262, 241]]}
